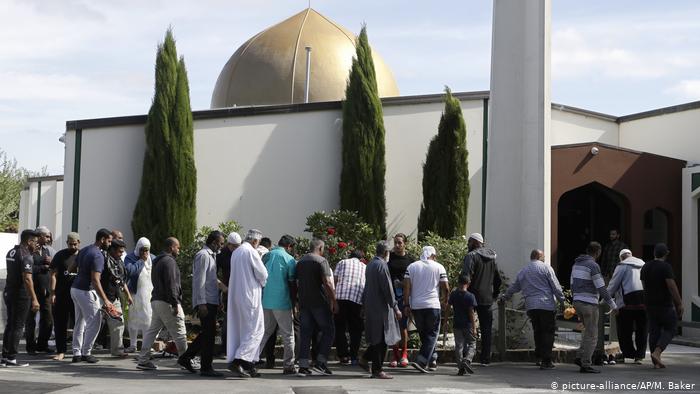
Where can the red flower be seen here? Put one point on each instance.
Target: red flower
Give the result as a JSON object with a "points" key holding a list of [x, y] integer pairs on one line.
{"points": [[342, 245], [331, 231], [331, 250]]}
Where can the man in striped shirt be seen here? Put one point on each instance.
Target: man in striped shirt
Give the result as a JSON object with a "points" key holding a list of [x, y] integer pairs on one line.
{"points": [[587, 285], [349, 286], [539, 286]]}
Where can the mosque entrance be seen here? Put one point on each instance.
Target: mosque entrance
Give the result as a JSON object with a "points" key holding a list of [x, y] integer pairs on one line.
{"points": [[586, 214]]}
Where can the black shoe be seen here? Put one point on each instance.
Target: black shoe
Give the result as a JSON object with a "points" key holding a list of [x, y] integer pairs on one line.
{"points": [[577, 361], [238, 371], [76, 359], [419, 367], [588, 370], [253, 372], [187, 364], [547, 365], [461, 371], [210, 373], [303, 372], [89, 359], [322, 369], [468, 367]]}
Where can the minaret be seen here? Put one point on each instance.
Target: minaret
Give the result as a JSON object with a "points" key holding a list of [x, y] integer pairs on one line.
{"points": [[518, 206]]}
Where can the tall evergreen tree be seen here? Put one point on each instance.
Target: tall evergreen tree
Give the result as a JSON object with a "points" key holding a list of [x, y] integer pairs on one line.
{"points": [[446, 176], [167, 201], [362, 176]]}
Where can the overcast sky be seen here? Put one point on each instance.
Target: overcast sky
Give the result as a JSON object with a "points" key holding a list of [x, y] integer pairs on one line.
{"points": [[69, 59]]}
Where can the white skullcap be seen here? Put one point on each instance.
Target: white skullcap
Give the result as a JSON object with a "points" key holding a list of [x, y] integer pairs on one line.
{"points": [[476, 237], [234, 238], [625, 251], [428, 251]]}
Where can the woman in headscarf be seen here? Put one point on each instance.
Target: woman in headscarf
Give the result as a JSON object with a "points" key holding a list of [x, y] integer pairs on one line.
{"points": [[138, 266]]}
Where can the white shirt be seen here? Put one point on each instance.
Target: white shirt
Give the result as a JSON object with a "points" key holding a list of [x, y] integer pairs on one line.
{"points": [[425, 279]]}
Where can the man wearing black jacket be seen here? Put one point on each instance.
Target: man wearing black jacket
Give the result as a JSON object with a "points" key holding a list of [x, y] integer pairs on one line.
{"points": [[480, 265], [166, 302]]}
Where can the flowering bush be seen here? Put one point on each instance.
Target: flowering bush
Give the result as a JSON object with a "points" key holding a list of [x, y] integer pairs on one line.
{"points": [[342, 231]]}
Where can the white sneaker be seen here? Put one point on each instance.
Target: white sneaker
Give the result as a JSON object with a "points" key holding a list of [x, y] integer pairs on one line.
{"points": [[14, 363]]}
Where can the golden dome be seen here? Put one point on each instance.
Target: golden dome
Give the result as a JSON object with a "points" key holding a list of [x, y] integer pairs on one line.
{"points": [[270, 68]]}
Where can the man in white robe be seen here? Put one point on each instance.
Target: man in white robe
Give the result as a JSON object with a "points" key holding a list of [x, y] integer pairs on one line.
{"points": [[245, 318]]}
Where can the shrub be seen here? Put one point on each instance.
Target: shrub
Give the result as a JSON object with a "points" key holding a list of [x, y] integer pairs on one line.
{"points": [[342, 231]]}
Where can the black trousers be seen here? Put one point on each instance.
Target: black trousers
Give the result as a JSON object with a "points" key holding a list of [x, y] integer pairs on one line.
{"points": [[17, 311], [485, 326], [543, 328], [349, 318], [663, 323], [63, 314], [45, 319], [375, 354], [204, 343], [632, 322]]}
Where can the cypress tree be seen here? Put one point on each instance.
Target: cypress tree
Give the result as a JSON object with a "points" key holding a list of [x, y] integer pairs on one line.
{"points": [[446, 176], [362, 176], [167, 201]]}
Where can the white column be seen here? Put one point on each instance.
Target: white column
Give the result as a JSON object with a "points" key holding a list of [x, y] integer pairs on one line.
{"points": [[518, 174]]}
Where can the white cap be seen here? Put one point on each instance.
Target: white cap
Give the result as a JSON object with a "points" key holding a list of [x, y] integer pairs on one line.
{"points": [[476, 237], [625, 251], [234, 238], [428, 252]]}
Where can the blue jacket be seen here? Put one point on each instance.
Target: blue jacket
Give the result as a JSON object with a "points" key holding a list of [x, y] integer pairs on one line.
{"points": [[133, 265]]}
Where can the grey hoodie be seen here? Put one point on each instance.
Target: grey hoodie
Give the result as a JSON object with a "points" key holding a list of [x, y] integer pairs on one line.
{"points": [[626, 280]]}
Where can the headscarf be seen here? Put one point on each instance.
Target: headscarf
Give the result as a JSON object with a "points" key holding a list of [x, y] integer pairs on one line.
{"points": [[143, 242], [428, 251]]}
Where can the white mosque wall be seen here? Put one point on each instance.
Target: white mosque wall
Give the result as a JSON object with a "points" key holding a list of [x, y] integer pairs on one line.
{"points": [[575, 128], [674, 135], [41, 204], [268, 171]]}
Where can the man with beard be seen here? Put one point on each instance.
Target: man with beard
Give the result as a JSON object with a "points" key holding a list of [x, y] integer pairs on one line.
{"points": [[42, 279], [63, 271]]}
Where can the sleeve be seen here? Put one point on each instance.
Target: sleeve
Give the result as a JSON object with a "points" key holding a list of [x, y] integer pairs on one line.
{"points": [[98, 262], [515, 287], [326, 268], [668, 271], [292, 270], [259, 270], [132, 265], [496, 280], [554, 283], [599, 284], [56, 258], [339, 269], [173, 280], [616, 280], [386, 288], [27, 264], [443, 274], [467, 265], [199, 280]]}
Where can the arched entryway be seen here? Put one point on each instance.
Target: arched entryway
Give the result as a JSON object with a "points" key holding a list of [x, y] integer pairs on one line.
{"points": [[586, 214]]}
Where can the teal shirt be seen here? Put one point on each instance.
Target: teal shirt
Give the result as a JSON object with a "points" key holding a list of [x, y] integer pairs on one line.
{"points": [[281, 269]]}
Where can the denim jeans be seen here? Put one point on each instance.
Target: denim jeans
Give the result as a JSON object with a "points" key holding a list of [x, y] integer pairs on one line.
{"points": [[428, 325], [311, 318]]}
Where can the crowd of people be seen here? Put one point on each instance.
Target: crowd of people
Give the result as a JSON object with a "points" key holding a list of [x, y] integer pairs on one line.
{"points": [[267, 291]]}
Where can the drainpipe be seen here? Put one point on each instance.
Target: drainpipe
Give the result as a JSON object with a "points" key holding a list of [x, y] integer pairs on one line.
{"points": [[308, 74]]}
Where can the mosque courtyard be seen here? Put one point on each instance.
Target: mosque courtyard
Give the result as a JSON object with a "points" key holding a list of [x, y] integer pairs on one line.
{"points": [[112, 375]]}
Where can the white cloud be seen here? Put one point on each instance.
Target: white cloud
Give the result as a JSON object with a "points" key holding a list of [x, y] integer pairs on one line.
{"points": [[686, 90]]}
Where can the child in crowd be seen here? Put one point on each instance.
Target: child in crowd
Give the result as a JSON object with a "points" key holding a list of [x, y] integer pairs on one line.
{"points": [[463, 303]]}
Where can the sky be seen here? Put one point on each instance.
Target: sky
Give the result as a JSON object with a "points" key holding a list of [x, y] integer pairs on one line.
{"points": [[70, 59]]}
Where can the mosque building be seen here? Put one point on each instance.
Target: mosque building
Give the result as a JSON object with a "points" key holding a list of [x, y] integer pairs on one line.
{"points": [[637, 173]]}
